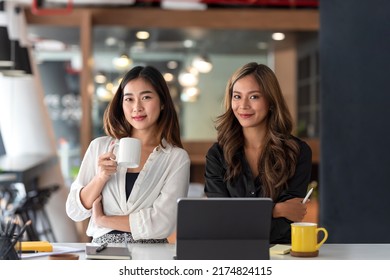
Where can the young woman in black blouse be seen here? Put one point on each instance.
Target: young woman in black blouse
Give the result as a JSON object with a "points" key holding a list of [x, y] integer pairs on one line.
{"points": [[256, 154]]}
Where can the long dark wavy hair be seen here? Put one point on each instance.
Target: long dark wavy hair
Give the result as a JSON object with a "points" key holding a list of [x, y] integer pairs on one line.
{"points": [[280, 152], [115, 123]]}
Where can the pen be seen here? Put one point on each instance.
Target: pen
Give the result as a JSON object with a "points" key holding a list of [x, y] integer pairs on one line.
{"points": [[12, 228], [15, 239], [307, 195], [101, 247], [27, 251]]}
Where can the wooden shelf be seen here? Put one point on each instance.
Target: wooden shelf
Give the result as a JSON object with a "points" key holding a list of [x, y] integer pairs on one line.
{"points": [[218, 18]]}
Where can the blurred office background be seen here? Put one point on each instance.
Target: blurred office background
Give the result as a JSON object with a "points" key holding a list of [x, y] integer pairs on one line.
{"points": [[79, 49]]}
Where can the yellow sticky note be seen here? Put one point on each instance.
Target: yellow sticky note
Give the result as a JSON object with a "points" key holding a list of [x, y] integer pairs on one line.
{"points": [[280, 249]]}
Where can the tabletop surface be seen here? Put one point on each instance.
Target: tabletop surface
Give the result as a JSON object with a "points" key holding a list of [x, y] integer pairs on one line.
{"points": [[167, 252]]}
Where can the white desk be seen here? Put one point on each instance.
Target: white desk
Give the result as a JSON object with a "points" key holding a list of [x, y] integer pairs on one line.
{"points": [[346, 252], [327, 252]]}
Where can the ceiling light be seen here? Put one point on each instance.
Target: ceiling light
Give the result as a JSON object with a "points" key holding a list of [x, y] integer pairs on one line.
{"points": [[142, 35], [278, 36], [188, 43], [189, 94], [113, 87], [202, 63], [191, 91], [193, 70], [103, 94], [172, 64], [122, 61], [188, 78], [111, 41], [110, 87], [168, 77], [100, 78]]}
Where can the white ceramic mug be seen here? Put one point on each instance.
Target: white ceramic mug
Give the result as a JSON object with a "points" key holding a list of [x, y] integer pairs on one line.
{"points": [[129, 152]]}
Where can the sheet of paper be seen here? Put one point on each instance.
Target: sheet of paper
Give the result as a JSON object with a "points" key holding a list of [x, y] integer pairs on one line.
{"points": [[56, 250]]}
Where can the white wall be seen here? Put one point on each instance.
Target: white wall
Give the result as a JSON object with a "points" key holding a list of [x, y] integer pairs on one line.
{"points": [[26, 129]]}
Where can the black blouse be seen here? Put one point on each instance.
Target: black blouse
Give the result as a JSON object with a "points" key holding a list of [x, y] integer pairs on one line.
{"points": [[130, 180], [248, 186]]}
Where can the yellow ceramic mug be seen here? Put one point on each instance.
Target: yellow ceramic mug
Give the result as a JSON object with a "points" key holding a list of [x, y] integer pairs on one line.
{"points": [[304, 239]]}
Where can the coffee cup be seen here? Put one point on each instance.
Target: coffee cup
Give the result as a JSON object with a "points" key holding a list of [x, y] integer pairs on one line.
{"points": [[304, 239], [129, 152], [64, 256]]}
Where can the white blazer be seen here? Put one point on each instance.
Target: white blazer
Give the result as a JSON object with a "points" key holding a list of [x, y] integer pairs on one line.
{"points": [[152, 205]]}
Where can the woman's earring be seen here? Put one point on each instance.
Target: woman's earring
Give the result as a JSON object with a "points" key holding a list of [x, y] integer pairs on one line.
{"points": [[162, 107], [271, 108]]}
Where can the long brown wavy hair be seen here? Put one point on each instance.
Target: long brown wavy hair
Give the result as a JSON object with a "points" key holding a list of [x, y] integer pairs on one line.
{"points": [[115, 123], [279, 156]]}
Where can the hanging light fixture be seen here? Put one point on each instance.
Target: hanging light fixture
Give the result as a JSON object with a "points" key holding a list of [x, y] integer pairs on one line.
{"points": [[189, 77], [5, 49], [189, 94], [5, 45], [100, 77], [122, 61], [278, 36], [19, 53], [22, 65], [202, 63]]}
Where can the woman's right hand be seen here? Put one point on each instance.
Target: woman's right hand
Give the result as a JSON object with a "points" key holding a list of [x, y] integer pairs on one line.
{"points": [[292, 209], [107, 165]]}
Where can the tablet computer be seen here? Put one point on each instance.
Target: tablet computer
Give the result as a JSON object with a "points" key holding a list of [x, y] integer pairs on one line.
{"points": [[223, 228]]}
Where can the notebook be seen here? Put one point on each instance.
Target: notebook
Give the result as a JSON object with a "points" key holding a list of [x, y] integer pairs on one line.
{"points": [[111, 252], [223, 228]]}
